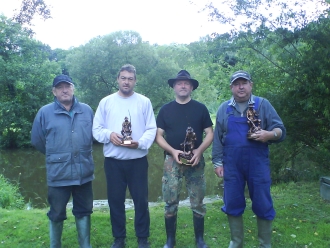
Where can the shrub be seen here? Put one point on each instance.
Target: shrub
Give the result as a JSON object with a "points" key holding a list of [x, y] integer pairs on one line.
{"points": [[10, 197]]}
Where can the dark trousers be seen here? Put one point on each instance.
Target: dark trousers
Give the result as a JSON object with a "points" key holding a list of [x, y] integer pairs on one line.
{"points": [[133, 174], [82, 201]]}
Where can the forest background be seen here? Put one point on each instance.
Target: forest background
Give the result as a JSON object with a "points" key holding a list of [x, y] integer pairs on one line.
{"points": [[287, 54]]}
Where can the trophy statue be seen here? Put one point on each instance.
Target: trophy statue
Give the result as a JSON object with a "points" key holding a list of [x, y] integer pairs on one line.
{"points": [[126, 132], [253, 121], [188, 146]]}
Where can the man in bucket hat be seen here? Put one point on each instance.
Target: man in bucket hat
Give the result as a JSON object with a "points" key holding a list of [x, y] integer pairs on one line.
{"points": [[173, 120], [241, 157], [62, 130]]}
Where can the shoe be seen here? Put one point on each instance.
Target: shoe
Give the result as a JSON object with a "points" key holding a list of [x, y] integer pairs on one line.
{"points": [[118, 243], [143, 243]]}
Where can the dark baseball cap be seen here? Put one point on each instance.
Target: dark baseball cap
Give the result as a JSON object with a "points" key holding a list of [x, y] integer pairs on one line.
{"points": [[240, 74], [62, 78]]}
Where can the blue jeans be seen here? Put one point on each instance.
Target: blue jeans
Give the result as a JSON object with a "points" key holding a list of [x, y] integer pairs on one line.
{"points": [[133, 174], [82, 199]]}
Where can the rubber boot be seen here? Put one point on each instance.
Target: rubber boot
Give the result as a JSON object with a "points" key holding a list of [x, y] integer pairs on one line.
{"points": [[199, 231], [170, 225], [55, 233], [264, 232], [83, 226], [236, 231]]}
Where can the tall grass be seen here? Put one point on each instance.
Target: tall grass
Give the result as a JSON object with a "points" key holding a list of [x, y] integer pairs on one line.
{"points": [[10, 196]]}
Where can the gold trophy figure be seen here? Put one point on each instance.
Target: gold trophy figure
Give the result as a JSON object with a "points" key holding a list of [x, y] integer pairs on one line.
{"points": [[126, 132], [188, 146], [253, 121]]}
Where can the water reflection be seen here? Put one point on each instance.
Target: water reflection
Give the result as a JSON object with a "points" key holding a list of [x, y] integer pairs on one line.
{"points": [[27, 167]]}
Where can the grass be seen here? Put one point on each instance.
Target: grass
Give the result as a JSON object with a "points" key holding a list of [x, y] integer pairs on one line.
{"points": [[303, 220], [10, 197]]}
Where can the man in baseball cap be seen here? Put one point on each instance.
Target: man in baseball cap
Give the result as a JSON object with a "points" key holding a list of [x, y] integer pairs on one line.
{"points": [[62, 130], [244, 160]]}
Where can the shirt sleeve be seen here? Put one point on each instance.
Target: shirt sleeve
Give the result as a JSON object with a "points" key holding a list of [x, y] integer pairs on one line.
{"points": [[100, 132], [270, 120], [160, 119], [217, 147], [207, 122], [149, 134]]}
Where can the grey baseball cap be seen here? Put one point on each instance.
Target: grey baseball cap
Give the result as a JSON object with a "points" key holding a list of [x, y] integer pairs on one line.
{"points": [[240, 74]]}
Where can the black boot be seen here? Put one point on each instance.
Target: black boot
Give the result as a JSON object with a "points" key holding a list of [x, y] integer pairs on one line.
{"points": [[199, 231], [118, 243], [170, 225]]}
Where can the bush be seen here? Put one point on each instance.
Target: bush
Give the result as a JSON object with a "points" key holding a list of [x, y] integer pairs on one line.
{"points": [[10, 197]]}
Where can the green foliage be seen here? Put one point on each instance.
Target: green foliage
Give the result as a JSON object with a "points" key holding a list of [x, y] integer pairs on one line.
{"points": [[300, 163], [10, 196], [25, 75], [287, 55], [95, 66]]}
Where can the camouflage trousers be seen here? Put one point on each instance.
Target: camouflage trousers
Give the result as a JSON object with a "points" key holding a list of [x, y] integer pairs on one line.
{"points": [[172, 184]]}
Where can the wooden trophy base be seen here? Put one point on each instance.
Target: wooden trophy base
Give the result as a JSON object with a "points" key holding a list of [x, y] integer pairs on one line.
{"points": [[127, 142], [249, 136], [185, 160]]}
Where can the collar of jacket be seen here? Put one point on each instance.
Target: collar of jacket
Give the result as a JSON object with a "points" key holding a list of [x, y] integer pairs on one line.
{"points": [[59, 107], [232, 101]]}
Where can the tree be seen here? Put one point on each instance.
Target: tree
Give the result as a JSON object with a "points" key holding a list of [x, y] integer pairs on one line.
{"points": [[287, 56], [25, 76], [245, 16], [31, 8], [95, 66]]}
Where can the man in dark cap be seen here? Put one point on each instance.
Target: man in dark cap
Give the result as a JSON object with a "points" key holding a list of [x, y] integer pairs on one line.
{"points": [[62, 130], [245, 125], [177, 120]]}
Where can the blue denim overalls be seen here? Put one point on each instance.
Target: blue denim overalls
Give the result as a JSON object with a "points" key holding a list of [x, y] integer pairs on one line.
{"points": [[245, 161]]}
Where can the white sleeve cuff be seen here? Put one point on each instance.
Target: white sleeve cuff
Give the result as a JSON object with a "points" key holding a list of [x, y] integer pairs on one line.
{"points": [[216, 165]]}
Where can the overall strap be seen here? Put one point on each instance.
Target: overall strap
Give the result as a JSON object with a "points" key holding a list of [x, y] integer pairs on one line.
{"points": [[230, 109], [256, 103]]}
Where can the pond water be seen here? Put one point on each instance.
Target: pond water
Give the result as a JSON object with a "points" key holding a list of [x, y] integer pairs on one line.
{"points": [[26, 167]]}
